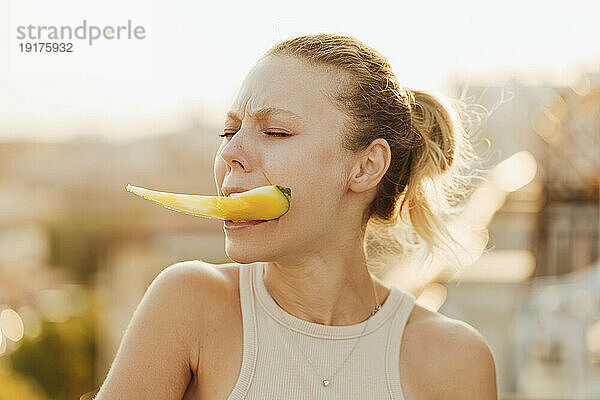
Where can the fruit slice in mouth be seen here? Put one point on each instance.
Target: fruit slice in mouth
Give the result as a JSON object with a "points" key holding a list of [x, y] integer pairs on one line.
{"points": [[261, 203]]}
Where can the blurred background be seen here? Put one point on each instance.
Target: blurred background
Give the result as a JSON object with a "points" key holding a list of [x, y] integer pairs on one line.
{"points": [[77, 251]]}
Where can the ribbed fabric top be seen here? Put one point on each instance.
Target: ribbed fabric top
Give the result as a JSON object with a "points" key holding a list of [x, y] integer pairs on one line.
{"points": [[273, 367]]}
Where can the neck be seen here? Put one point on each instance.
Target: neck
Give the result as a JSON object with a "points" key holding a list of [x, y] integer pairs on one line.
{"points": [[324, 293]]}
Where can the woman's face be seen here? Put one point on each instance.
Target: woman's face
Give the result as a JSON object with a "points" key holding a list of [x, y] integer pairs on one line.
{"points": [[302, 151]]}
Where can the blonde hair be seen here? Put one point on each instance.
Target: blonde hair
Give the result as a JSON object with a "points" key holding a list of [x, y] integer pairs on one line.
{"points": [[430, 149]]}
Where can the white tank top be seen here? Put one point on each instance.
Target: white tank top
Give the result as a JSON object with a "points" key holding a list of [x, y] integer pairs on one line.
{"points": [[274, 368]]}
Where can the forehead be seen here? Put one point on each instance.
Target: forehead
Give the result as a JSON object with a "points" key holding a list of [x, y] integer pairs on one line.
{"points": [[285, 87]]}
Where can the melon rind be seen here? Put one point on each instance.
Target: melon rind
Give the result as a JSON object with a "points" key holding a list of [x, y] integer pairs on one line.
{"points": [[262, 203]]}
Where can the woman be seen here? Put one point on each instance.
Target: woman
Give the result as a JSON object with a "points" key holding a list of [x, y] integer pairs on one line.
{"points": [[298, 315]]}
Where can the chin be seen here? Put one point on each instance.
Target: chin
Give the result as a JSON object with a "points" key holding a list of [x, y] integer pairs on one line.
{"points": [[244, 259], [244, 253], [248, 251]]}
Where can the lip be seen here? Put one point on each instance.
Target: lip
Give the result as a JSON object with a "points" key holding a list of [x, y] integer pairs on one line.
{"points": [[233, 189], [231, 225]]}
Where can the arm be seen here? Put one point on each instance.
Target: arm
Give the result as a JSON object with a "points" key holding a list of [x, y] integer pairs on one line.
{"points": [[465, 367], [153, 359]]}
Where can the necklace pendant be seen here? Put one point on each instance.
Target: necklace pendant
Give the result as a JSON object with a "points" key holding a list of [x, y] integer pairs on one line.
{"points": [[325, 382], [376, 310]]}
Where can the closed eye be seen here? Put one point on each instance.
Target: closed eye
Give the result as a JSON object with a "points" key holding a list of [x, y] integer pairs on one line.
{"points": [[226, 134]]}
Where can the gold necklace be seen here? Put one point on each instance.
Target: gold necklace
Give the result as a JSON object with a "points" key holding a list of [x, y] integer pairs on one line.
{"points": [[327, 381]]}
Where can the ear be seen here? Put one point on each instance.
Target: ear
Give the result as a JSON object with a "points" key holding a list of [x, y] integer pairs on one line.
{"points": [[371, 166]]}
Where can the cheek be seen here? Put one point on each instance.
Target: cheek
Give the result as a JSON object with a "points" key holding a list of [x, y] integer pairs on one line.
{"points": [[318, 184]]}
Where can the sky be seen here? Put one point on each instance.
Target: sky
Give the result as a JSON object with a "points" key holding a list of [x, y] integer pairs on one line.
{"points": [[195, 55]]}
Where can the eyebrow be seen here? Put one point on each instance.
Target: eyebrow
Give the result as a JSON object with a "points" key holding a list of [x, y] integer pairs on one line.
{"points": [[265, 113]]}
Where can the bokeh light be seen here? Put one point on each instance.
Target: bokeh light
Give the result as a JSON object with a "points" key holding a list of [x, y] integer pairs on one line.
{"points": [[11, 324], [515, 172]]}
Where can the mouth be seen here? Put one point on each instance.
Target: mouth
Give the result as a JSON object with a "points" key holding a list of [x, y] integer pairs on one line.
{"points": [[233, 190]]}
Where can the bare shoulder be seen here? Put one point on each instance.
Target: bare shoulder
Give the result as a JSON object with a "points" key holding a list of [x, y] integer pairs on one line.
{"points": [[229, 271], [169, 313], [193, 269], [201, 287], [203, 284], [452, 353], [199, 278]]}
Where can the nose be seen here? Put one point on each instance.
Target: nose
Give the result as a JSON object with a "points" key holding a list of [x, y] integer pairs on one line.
{"points": [[234, 153]]}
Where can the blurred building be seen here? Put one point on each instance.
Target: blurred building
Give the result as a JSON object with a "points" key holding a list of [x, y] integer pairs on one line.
{"points": [[534, 295], [556, 336]]}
